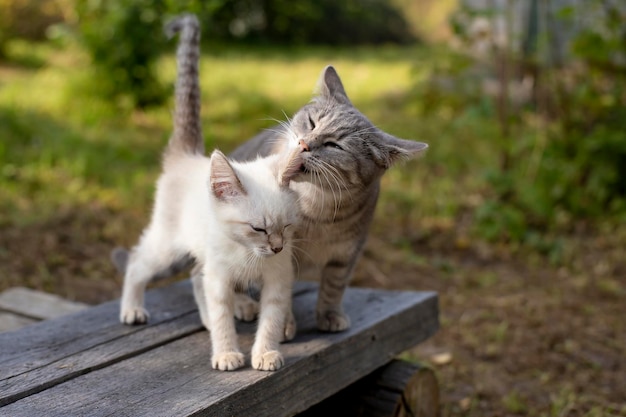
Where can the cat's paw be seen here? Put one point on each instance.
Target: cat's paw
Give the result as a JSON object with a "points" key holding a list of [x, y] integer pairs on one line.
{"points": [[269, 361], [332, 321], [290, 328], [134, 315], [227, 361], [246, 309]]}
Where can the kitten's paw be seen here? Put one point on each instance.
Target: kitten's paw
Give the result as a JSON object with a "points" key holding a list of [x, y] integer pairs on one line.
{"points": [[290, 328], [332, 321], [246, 309], [227, 361], [269, 361], [134, 315]]}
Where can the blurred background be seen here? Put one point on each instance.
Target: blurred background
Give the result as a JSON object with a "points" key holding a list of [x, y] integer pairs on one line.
{"points": [[516, 215]]}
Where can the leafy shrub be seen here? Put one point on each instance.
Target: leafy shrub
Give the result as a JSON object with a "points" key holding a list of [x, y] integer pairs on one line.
{"points": [[27, 19], [124, 39], [562, 151]]}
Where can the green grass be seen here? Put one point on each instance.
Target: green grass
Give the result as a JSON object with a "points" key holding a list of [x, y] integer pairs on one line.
{"points": [[65, 146]]}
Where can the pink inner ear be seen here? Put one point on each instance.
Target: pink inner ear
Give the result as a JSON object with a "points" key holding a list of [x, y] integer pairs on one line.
{"points": [[225, 189]]}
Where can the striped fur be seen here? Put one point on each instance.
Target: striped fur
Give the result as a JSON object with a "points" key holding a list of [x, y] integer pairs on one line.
{"points": [[187, 135], [338, 188]]}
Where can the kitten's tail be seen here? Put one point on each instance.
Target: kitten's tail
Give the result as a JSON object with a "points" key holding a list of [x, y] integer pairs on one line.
{"points": [[187, 136]]}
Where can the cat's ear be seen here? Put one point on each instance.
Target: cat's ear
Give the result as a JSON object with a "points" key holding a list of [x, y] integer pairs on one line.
{"points": [[330, 86], [225, 184], [389, 149]]}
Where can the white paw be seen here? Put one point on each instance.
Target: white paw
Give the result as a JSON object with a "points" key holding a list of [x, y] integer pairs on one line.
{"points": [[268, 361], [134, 315], [332, 321], [227, 361], [246, 309], [290, 328]]}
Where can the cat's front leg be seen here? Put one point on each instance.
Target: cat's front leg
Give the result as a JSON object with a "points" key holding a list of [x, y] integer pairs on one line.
{"points": [[275, 313], [329, 312], [219, 297]]}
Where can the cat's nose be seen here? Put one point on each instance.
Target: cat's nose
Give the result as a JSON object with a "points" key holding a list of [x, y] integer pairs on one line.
{"points": [[278, 249], [303, 145]]}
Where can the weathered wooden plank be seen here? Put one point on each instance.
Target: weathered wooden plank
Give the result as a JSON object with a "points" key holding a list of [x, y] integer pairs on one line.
{"points": [[11, 321], [50, 352], [37, 304], [177, 379]]}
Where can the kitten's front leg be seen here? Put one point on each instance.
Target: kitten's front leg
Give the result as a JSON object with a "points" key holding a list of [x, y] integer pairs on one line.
{"points": [[199, 296], [139, 271], [246, 309], [219, 296], [290, 326], [275, 315], [334, 281]]}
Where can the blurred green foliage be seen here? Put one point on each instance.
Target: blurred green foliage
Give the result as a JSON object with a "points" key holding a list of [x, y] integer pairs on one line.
{"points": [[124, 37], [28, 19], [562, 148]]}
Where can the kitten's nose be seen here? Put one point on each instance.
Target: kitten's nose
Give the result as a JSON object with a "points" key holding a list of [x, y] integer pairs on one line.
{"points": [[278, 249], [303, 145]]}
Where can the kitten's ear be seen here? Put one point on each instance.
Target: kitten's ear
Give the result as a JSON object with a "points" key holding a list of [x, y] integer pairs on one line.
{"points": [[225, 184], [391, 149], [330, 86]]}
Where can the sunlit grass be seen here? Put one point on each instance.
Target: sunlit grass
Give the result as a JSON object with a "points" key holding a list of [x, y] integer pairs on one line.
{"points": [[63, 145]]}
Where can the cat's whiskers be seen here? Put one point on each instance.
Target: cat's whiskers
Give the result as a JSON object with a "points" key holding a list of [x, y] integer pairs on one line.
{"points": [[334, 173], [322, 172], [330, 173], [320, 189], [303, 252], [327, 176]]}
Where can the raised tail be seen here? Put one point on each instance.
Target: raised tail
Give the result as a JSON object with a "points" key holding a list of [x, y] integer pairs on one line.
{"points": [[187, 135]]}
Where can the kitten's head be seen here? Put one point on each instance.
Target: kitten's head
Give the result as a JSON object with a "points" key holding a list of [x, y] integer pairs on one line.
{"points": [[253, 200], [343, 149]]}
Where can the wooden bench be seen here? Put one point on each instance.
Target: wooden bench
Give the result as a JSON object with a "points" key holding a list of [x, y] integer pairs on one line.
{"points": [[87, 363]]}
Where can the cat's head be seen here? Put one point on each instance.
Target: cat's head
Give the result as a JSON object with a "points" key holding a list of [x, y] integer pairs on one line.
{"points": [[340, 143], [253, 200]]}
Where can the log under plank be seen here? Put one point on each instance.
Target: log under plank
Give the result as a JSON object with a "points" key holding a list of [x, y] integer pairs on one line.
{"points": [[397, 389]]}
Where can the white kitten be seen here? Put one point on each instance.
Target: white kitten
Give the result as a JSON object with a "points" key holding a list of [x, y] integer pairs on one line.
{"points": [[236, 220]]}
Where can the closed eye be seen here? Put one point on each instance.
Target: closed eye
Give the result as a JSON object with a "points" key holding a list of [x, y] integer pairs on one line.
{"points": [[311, 123], [333, 145], [258, 229]]}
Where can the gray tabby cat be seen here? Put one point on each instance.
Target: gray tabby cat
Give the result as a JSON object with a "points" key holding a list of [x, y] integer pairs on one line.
{"points": [[236, 220], [345, 157]]}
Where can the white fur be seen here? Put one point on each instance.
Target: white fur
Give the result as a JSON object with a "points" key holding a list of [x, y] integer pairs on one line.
{"points": [[192, 217]]}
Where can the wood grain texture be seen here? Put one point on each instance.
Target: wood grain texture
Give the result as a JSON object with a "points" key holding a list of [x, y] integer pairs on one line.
{"points": [[171, 375]]}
